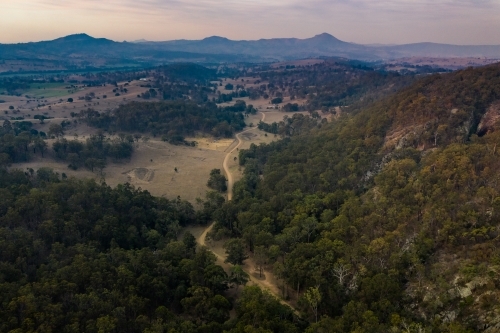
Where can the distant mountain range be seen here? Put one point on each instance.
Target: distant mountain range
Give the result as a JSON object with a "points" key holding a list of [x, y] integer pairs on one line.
{"points": [[83, 50], [324, 45]]}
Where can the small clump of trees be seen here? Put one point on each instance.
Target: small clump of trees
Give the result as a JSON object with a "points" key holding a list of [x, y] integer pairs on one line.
{"points": [[93, 153], [217, 181]]}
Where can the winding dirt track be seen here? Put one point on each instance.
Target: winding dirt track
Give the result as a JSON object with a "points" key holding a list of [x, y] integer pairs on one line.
{"points": [[230, 181], [264, 284]]}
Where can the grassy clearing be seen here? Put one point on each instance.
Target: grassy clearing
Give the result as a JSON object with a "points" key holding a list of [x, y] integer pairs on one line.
{"points": [[47, 90]]}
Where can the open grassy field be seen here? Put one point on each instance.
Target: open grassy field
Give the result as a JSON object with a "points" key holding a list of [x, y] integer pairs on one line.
{"points": [[51, 99], [152, 166], [449, 63], [297, 63], [46, 90], [153, 163]]}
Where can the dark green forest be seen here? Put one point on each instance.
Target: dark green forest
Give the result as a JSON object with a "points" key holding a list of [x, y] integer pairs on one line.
{"points": [[19, 141], [393, 235], [94, 153], [170, 118], [78, 256]]}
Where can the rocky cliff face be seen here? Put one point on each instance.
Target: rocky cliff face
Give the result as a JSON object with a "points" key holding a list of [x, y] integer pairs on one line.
{"points": [[490, 121]]}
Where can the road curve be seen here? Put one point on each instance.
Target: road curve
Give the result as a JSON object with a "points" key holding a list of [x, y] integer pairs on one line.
{"points": [[261, 283], [202, 239], [230, 181]]}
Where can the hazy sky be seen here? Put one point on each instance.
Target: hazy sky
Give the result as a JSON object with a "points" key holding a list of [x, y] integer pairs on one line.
{"points": [[359, 21]]}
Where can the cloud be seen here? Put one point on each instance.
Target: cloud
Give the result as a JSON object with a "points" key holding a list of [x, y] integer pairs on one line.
{"points": [[216, 9], [363, 21]]}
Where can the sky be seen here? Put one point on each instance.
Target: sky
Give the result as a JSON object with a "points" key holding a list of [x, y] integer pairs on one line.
{"points": [[471, 22]]}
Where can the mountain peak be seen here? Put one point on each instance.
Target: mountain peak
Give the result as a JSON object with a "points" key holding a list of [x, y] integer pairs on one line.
{"points": [[81, 36], [216, 39], [325, 36]]}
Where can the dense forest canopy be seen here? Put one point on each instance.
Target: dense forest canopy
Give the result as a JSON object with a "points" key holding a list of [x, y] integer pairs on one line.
{"points": [[444, 108], [170, 118], [391, 237], [94, 152], [188, 72], [78, 256]]}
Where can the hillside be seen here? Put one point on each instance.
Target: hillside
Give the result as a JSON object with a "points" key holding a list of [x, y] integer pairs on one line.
{"points": [[398, 237]]}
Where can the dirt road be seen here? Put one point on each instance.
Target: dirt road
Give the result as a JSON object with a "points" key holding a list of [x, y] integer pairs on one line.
{"points": [[230, 180], [265, 284], [247, 267]]}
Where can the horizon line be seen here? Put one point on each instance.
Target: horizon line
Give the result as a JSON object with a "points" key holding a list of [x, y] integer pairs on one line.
{"points": [[144, 40]]}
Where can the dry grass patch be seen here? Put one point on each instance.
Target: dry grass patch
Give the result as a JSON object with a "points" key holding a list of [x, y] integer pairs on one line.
{"points": [[152, 167]]}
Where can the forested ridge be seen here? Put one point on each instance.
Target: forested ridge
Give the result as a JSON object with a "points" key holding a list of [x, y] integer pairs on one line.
{"points": [[369, 236]]}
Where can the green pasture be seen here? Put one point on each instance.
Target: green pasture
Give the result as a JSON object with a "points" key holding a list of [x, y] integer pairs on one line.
{"points": [[47, 90]]}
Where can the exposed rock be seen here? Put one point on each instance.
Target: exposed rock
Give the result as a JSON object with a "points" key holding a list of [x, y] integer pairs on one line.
{"points": [[489, 122]]}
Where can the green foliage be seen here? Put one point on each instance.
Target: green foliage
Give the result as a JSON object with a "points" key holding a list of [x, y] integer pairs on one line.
{"points": [[238, 276], [18, 142], [80, 256], [235, 250], [313, 298], [258, 311], [390, 237], [188, 72], [217, 181], [290, 126], [289, 107], [368, 229], [92, 153], [168, 118], [332, 83]]}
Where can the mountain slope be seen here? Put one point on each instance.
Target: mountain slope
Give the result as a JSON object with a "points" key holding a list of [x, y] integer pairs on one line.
{"points": [[393, 238], [279, 48], [326, 45], [82, 50]]}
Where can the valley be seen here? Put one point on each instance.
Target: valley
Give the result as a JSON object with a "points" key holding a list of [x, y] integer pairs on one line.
{"points": [[310, 195]]}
